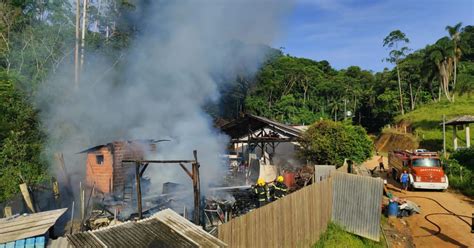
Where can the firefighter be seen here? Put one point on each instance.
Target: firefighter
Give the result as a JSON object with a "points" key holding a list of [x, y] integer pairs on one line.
{"points": [[261, 192], [279, 188], [381, 166]]}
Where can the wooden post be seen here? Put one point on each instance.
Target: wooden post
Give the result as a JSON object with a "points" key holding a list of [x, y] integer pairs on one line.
{"points": [[7, 211], [468, 136], [455, 138], [72, 218], [444, 136], [81, 193], [86, 206], [197, 193], [139, 189], [62, 165], [27, 197]]}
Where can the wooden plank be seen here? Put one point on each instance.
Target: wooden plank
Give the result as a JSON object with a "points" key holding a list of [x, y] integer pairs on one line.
{"points": [[26, 196]]}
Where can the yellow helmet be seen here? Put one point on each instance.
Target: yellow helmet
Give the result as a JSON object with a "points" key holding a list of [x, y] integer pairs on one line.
{"points": [[260, 182], [280, 179]]}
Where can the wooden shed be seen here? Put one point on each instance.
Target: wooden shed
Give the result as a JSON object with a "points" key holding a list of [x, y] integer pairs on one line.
{"points": [[104, 168]]}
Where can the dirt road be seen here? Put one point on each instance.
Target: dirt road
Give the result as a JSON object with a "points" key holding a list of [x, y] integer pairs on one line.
{"points": [[454, 232]]}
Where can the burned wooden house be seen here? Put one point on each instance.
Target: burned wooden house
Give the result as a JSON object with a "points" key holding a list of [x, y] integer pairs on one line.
{"points": [[105, 170], [262, 135]]}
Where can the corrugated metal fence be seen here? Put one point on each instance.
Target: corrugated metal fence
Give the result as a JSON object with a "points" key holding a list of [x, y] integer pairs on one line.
{"points": [[356, 204], [296, 220], [322, 172]]}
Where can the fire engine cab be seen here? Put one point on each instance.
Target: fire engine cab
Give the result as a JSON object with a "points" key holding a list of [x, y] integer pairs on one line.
{"points": [[424, 168]]}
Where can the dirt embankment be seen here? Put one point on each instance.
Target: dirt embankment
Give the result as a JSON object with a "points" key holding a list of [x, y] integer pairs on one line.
{"points": [[393, 140], [450, 230]]}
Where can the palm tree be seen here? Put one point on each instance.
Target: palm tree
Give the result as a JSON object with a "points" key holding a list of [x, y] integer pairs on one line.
{"points": [[441, 55], [454, 33]]}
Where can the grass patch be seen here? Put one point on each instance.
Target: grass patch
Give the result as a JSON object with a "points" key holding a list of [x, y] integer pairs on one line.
{"points": [[426, 120], [335, 236]]}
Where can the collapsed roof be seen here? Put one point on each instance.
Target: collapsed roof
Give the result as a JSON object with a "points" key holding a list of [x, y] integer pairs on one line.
{"points": [[249, 123]]}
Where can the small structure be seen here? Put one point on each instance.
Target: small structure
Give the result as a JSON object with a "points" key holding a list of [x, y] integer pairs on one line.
{"points": [[253, 131], [460, 122], [104, 168], [164, 229], [29, 230], [141, 165]]}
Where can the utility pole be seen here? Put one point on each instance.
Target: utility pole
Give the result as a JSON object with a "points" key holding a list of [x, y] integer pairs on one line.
{"points": [[76, 51]]}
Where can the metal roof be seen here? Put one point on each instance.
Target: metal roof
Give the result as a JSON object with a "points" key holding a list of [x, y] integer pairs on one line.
{"points": [[164, 229], [26, 226], [465, 119], [242, 126]]}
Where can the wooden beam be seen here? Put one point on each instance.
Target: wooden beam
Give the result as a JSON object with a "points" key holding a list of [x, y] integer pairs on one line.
{"points": [[186, 170], [139, 190], [264, 139], [197, 190], [143, 169], [158, 161], [27, 197], [62, 165]]}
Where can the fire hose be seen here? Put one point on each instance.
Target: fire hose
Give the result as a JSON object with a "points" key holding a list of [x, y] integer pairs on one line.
{"points": [[449, 212]]}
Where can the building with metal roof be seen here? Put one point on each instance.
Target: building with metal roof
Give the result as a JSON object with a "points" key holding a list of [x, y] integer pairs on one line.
{"points": [[249, 124], [19, 230], [164, 229], [254, 137]]}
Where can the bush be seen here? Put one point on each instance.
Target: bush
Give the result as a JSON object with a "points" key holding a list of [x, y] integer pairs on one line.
{"points": [[465, 157], [460, 177], [329, 142]]}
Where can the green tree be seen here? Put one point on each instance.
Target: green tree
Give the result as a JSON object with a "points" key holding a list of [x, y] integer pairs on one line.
{"points": [[395, 40], [20, 141], [329, 142]]}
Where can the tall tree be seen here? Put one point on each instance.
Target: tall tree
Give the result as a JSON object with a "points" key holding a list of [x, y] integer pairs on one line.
{"points": [[454, 33], [393, 41], [441, 54]]}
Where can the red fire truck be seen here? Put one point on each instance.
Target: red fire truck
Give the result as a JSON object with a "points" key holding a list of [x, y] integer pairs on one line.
{"points": [[424, 168]]}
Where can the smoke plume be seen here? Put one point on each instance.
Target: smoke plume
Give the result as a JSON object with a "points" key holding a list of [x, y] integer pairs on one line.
{"points": [[184, 52]]}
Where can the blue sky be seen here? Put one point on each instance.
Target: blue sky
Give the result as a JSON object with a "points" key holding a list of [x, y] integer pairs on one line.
{"points": [[350, 32]]}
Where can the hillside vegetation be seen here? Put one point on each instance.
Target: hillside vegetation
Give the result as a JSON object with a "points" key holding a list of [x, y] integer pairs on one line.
{"points": [[426, 124], [426, 121]]}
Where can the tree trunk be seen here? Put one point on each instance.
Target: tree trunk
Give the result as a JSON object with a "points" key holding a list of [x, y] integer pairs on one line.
{"points": [[444, 78], [402, 111], [76, 50], [412, 100], [454, 79], [305, 88]]}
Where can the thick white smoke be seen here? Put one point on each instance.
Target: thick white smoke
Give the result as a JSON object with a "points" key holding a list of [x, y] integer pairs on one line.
{"points": [[184, 52]]}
